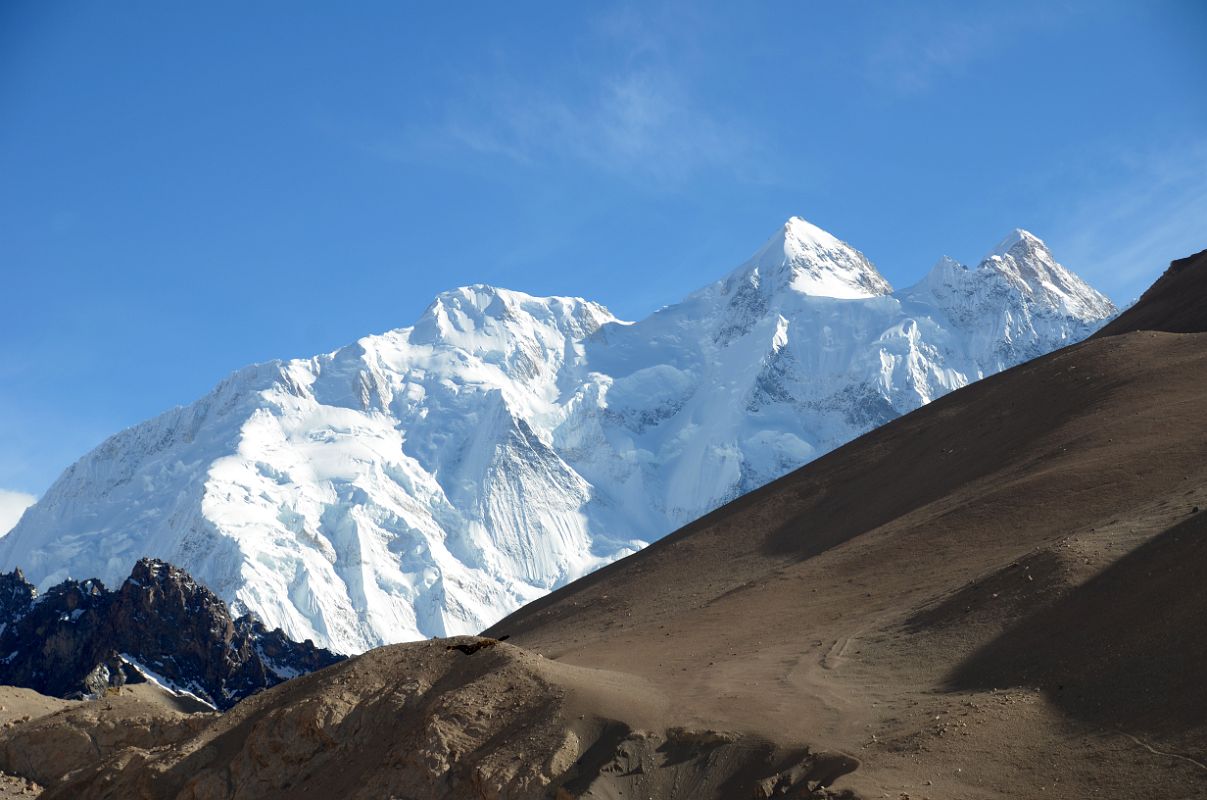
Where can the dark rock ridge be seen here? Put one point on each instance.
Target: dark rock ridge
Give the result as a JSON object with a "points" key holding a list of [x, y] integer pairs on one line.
{"points": [[78, 639]]}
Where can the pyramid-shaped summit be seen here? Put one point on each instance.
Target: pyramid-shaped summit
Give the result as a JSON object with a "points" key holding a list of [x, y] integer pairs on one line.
{"points": [[1027, 263], [1016, 237], [803, 258]]}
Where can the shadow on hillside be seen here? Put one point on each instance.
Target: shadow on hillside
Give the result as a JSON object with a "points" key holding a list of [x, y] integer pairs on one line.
{"points": [[1128, 647]]}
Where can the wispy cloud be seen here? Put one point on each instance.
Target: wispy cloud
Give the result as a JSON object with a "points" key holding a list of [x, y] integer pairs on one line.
{"points": [[636, 116], [922, 49], [12, 506], [1123, 236], [640, 123], [910, 62]]}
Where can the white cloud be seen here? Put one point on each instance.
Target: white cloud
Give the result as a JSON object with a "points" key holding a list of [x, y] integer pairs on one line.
{"points": [[12, 505]]}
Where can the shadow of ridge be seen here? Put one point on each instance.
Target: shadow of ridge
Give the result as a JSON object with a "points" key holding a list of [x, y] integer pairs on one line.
{"points": [[1128, 647]]}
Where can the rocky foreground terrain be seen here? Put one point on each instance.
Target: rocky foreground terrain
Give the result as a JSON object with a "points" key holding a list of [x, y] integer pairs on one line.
{"points": [[996, 596]]}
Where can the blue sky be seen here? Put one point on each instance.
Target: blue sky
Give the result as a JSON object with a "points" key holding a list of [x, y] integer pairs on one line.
{"points": [[186, 188]]}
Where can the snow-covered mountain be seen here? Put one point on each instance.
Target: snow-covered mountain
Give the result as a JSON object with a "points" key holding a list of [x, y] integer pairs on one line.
{"points": [[429, 480]]}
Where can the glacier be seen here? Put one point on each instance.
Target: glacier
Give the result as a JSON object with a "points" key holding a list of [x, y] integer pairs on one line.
{"points": [[431, 479]]}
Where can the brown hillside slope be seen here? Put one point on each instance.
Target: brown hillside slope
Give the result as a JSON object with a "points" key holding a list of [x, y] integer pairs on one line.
{"points": [[1034, 533], [1175, 303], [996, 596]]}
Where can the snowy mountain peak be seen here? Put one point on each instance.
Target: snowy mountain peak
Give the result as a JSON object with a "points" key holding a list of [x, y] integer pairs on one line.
{"points": [[805, 259], [946, 276], [805, 234], [1014, 238], [1026, 263], [428, 480]]}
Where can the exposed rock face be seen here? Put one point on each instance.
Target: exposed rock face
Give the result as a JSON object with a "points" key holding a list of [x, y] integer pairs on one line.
{"points": [[79, 639]]}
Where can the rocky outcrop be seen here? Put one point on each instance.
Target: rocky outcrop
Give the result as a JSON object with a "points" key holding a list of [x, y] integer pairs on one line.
{"points": [[79, 639]]}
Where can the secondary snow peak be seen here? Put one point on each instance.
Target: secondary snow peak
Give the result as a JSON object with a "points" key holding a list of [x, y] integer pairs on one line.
{"points": [[489, 313], [1026, 263], [946, 277], [947, 266]]}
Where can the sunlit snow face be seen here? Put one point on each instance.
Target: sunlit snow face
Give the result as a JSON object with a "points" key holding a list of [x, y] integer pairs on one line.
{"points": [[429, 480]]}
